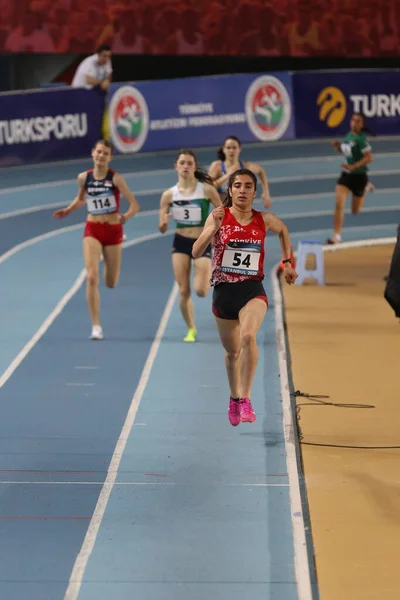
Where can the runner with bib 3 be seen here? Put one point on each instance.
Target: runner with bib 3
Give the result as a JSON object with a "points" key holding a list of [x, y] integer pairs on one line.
{"points": [[239, 299], [188, 203], [100, 188]]}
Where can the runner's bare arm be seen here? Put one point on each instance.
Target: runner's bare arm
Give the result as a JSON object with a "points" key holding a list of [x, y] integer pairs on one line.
{"points": [[134, 206], [212, 194], [259, 171], [164, 214], [215, 172], [273, 223], [78, 201], [211, 226]]}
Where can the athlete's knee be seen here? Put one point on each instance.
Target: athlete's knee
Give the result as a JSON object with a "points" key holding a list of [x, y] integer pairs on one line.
{"points": [[232, 355], [184, 290], [247, 338], [92, 277], [201, 289], [111, 280], [355, 210], [339, 204]]}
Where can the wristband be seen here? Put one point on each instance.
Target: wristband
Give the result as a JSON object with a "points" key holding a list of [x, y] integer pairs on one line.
{"points": [[287, 260]]}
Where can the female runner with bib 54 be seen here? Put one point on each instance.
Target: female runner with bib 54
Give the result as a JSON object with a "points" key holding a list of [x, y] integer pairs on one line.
{"points": [[190, 201], [100, 188], [239, 298]]}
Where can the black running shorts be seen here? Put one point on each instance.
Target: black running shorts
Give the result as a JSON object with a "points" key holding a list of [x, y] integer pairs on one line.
{"points": [[355, 182], [184, 245], [230, 298]]}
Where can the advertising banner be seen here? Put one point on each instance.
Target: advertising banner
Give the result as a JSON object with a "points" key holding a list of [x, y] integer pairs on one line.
{"points": [[324, 102], [49, 125], [201, 111]]}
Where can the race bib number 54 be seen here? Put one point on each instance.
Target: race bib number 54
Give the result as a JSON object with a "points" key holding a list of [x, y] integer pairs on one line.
{"points": [[241, 258]]}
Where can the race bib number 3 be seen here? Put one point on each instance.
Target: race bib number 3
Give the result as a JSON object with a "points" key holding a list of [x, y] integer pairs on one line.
{"points": [[189, 214], [243, 259], [101, 204]]}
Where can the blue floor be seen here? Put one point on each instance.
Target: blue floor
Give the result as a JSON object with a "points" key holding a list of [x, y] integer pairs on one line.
{"points": [[198, 510]]}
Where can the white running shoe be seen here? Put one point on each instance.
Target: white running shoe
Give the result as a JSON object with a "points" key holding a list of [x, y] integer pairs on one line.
{"points": [[124, 237], [97, 333], [334, 239]]}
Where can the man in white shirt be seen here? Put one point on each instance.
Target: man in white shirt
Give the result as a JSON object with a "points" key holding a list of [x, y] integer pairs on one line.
{"points": [[95, 70]]}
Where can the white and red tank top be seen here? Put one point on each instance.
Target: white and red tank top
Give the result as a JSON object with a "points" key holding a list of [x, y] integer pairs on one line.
{"points": [[102, 196], [238, 250]]}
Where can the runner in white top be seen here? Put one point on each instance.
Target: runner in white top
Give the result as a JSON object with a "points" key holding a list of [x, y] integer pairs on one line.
{"points": [[190, 201]]}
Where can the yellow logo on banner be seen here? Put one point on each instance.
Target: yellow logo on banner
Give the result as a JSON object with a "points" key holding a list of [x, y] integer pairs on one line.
{"points": [[332, 105]]}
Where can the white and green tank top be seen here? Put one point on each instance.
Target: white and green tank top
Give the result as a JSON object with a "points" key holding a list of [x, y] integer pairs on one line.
{"points": [[190, 210]]}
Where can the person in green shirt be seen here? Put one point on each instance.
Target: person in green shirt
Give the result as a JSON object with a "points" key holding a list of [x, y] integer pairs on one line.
{"points": [[358, 154]]}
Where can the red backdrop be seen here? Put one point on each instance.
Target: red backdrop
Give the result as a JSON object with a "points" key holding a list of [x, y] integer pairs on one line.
{"points": [[225, 27]]}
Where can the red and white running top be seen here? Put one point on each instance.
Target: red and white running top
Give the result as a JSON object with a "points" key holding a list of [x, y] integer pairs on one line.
{"points": [[238, 250]]}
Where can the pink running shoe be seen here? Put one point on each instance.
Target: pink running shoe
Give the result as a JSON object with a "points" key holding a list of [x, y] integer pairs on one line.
{"points": [[234, 411], [247, 414]]}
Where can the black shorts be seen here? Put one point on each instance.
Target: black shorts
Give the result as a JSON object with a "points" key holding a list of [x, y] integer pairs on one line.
{"points": [[184, 245], [230, 298], [355, 182]]}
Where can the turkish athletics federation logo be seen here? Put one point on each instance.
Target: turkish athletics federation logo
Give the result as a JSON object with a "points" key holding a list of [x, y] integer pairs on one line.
{"points": [[129, 119], [268, 108]]}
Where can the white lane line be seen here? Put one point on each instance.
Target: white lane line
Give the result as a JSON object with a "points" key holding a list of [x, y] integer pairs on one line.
{"points": [[300, 546], [325, 213], [38, 238], [40, 207], [331, 194], [146, 213], [50, 234], [64, 300], [360, 244], [132, 483], [301, 559], [43, 328], [321, 176], [204, 149], [265, 163], [346, 230], [78, 571]]}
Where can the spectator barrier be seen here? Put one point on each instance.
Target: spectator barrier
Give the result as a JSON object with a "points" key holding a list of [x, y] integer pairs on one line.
{"points": [[58, 124]]}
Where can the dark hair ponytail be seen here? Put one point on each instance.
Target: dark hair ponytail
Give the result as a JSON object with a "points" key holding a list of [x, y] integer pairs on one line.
{"points": [[365, 129], [221, 154], [200, 174], [228, 198]]}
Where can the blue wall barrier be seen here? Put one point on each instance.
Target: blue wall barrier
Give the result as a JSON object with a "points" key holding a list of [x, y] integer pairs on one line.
{"points": [[200, 111], [58, 124], [325, 101], [48, 125]]}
